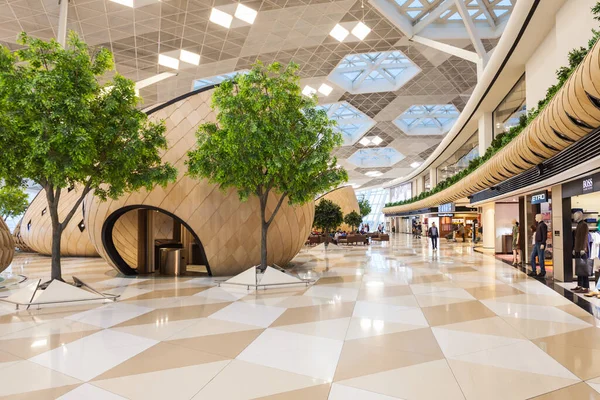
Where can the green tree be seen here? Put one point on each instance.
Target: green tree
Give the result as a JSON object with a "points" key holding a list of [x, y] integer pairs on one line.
{"points": [[328, 216], [13, 201], [353, 219], [269, 139], [64, 124], [365, 207]]}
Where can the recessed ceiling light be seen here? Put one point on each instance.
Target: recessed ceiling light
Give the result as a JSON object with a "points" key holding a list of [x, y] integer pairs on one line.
{"points": [[153, 79], [220, 18], [339, 32], [167, 61], [189, 57], [374, 173], [325, 89], [376, 140], [415, 164], [361, 31], [245, 13], [364, 141], [308, 91]]}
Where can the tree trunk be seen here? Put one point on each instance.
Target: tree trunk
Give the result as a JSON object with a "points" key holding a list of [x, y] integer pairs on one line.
{"points": [[56, 237], [264, 230]]}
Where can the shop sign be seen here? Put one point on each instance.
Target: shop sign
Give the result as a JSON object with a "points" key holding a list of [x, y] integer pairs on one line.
{"points": [[588, 185], [446, 215], [538, 198], [446, 208]]}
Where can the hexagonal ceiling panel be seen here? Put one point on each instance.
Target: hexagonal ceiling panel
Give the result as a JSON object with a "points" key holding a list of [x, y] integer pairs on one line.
{"points": [[429, 119], [384, 71], [376, 157], [352, 123]]}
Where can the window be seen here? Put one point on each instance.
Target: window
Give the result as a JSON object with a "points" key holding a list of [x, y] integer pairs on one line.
{"points": [[379, 157], [213, 80], [377, 199], [460, 159], [428, 119], [351, 122], [401, 192], [508, 112]]}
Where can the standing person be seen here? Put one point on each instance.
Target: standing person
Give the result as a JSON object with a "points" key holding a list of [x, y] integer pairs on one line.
{"points": [[539, 247], [433, 234], [581, 255], [461, 231], [419, 230], [515, 242]]}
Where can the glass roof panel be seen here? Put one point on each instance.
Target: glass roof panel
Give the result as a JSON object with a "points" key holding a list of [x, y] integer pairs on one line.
{"points": [[427, 119], [213, 80], [351, 122]]}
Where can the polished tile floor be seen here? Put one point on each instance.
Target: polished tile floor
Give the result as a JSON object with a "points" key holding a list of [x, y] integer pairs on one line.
{"points": [[387, 321]]}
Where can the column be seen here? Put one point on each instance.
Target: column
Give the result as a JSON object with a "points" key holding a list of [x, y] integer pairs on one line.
{"points": [[486, 132], [558, 258], [145, 256], [488, 223], [433, 177], [420, 180]]}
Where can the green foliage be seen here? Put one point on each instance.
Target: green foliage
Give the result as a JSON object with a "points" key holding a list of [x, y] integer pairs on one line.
{"points": [[268, 139], [575, 58], [365, 207], [353, 219], [13, 201], [61, 127], [328, 215]]}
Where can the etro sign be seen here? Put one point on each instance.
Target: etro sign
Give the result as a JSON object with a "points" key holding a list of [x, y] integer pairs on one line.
{"points": [[538, 198]]}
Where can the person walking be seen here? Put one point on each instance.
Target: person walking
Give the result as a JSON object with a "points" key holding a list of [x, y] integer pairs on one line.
{"points": [[433, 234], [515, 242]]}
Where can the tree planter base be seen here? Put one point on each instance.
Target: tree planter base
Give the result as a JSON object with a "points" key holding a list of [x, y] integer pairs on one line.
{"points": [[273, 276]]}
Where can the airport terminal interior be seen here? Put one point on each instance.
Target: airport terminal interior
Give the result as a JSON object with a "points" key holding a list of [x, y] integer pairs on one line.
{"points": [[299, 199]]}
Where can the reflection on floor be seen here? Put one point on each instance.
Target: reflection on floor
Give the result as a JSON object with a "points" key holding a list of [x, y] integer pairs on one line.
{"points": [[387, 321]]}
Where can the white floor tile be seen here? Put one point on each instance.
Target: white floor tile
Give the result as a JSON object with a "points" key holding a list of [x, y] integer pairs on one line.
{"points": [[110, 315], [90, 392], [341, 392], [26, 376], [385, 312], [250, 314]]}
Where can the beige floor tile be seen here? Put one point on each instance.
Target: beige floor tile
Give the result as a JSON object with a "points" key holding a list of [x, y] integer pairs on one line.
{"points": [[372, 293], [429, 380], [32, 346], [575, 392], [14, 378], [45, 394], [319, 392], [453, 313], [175, 314], [492, 291], [582, 361], [8, 357], [457, 270], [359, 359], [228, 345], [534, 329], [479, 381], [417, 341], [164, 355], [578, 312], [428, 279], [301, 315], [159, 294], [333, 280], [486, 326]]}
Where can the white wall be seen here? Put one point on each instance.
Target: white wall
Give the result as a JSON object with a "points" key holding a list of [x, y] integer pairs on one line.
{"points": [[573, 29], [505, 213]]}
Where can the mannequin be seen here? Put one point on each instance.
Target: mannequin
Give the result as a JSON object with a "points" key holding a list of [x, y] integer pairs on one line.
{"points": [[581, 250], [515, 242], [539, 247]]}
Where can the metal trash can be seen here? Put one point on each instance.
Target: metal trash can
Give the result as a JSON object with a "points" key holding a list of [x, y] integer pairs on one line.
{"points": [[170, 262]]}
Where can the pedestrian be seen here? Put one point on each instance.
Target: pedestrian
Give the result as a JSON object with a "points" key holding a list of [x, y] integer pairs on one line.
{"points": [[539, 247], [433, 234], [515, 242]]}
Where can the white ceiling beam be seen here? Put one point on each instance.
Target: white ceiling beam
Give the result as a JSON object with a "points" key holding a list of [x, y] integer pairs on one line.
{"points": [[487, 14], [446, 48], [389, 10], [473, 35], [432, 16]]}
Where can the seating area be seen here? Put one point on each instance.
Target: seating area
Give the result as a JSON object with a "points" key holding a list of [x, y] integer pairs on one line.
{"points": [[381, 237], [354, 239]]}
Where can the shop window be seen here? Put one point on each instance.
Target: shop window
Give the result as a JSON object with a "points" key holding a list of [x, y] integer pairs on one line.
{"points": [[460, 159]]}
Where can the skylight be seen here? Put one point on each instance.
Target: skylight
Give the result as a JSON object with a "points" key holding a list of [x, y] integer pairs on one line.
{"points": [[376, 157], [430, 119], [374, 72], [213, 80], [352, 123]]}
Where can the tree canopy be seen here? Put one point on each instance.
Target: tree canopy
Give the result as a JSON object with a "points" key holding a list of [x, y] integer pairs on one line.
{"points": [[328, 215], [64, 124], [365, 207], [353, 219], [13, 201], [269, 139]]}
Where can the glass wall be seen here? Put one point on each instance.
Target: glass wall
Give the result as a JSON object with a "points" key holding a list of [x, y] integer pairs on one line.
{"points": [[377, 199], [460, 159], [400, 192], [507, 114], [427, 182]]}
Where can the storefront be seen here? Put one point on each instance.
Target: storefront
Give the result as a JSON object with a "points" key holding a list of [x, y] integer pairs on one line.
{"points": [[580, 202]]}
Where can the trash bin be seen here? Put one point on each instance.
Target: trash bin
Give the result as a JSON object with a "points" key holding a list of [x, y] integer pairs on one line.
{"points": [[170, 262]]}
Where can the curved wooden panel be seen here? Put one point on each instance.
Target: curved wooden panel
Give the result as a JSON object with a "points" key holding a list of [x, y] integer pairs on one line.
{"points": [[19, 242], [228, 229], [7, 246], [345, 197], [570, 116], [36, 227]]}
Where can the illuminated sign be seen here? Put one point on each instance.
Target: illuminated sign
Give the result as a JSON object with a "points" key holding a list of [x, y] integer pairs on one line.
{"points": [[588, 184], [538, 198], [446, 208]]}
